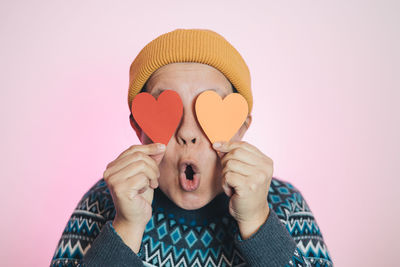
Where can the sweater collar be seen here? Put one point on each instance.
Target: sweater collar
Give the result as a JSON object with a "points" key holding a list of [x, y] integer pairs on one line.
{"points": [[216, 208]]}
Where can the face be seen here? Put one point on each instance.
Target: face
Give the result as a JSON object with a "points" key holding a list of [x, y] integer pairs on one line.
{"points": [[190, 171]]}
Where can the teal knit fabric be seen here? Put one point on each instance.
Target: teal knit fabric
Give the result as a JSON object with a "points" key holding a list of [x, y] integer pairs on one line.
{"points": [[208, 236]]}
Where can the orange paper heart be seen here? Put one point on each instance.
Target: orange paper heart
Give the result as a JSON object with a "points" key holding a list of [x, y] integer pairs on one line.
{"points": [[158, 118], [220, 119]]}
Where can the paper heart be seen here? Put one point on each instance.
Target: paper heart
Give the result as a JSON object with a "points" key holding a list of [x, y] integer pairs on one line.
{"points": [[158, 118], [220, 119]]}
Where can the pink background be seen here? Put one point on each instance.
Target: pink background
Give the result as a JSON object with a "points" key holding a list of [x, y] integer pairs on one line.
{"points": [[325, 76]]}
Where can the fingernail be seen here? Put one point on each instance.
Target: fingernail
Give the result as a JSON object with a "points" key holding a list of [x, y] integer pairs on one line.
{"points": [[161, 147], [216, 144]]}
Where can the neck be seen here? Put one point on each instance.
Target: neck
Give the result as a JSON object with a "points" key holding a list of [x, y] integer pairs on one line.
{"points": [[218, 207]]}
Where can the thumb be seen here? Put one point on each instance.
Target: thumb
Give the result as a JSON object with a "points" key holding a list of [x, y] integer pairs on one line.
{"points": [[160, 155], [220, 153]]}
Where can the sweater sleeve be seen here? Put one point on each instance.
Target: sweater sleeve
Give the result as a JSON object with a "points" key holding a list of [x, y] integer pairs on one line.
{"points": [[89, 238], [108, 249], [271, 245], [289, 237]]}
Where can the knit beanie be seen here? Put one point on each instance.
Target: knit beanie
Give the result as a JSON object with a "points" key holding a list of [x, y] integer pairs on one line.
{"points": [[190, 45]]}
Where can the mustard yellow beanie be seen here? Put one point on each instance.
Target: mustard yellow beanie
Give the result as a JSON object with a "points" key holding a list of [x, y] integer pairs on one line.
{"points": [[190, 45]]}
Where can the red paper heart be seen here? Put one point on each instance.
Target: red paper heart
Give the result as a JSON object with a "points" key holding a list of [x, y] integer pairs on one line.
{"points": [[158, 118]]}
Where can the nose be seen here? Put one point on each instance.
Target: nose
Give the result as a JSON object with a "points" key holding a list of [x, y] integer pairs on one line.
{"points": [[183, 141], [188, 132]]}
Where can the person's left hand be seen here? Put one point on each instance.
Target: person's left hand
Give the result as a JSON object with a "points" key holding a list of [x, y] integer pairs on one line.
{"points": [[246, 178]]}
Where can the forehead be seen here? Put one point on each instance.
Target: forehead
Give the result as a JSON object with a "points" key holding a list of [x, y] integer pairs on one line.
{"points": [[188, 77]]}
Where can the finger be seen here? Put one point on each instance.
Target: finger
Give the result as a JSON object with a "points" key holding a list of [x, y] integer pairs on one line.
{"points": [[228, 146], [238, 166], [220, 154], [242, 155], [132, 169], [132, 186], [149, 149], [143, 186], [125, 161], [225, 186], [236, 181]]}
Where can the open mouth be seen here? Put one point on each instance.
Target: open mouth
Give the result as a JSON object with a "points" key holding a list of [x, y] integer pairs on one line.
{"points": [[189, 172], [189, 176]]}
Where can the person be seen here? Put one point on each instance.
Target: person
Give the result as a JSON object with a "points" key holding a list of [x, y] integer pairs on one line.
{"points": [[191, 202]]}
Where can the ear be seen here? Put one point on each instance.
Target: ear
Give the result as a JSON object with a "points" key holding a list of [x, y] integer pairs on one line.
{"points": [[245, 126], [136, 127]]}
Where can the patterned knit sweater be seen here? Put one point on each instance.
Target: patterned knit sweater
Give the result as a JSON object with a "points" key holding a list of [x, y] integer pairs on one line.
{"points": [[208, 236]]}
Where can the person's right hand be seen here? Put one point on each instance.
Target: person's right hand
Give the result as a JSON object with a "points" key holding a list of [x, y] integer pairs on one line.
{"points": [[131, 179]]}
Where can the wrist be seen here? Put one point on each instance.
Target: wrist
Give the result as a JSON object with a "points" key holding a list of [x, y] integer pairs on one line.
{"points": [[249, 228], [130, 234]]}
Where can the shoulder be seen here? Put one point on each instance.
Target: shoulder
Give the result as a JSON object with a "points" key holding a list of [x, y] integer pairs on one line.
{"points": [[99, 188], [294, 212], [97, 201], [286, 199], [88, 218]]}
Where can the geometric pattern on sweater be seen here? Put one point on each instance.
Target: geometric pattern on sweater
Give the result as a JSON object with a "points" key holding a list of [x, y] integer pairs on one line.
{"points": [[294, 212], [209, 242]]}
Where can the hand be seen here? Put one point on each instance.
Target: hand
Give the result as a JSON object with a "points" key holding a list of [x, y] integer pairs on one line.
{"points": [[131, 179], [246, 178]]}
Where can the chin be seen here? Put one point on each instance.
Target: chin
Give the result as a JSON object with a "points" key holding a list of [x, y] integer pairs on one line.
{"points": [[187, 204], [191, 200]]}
